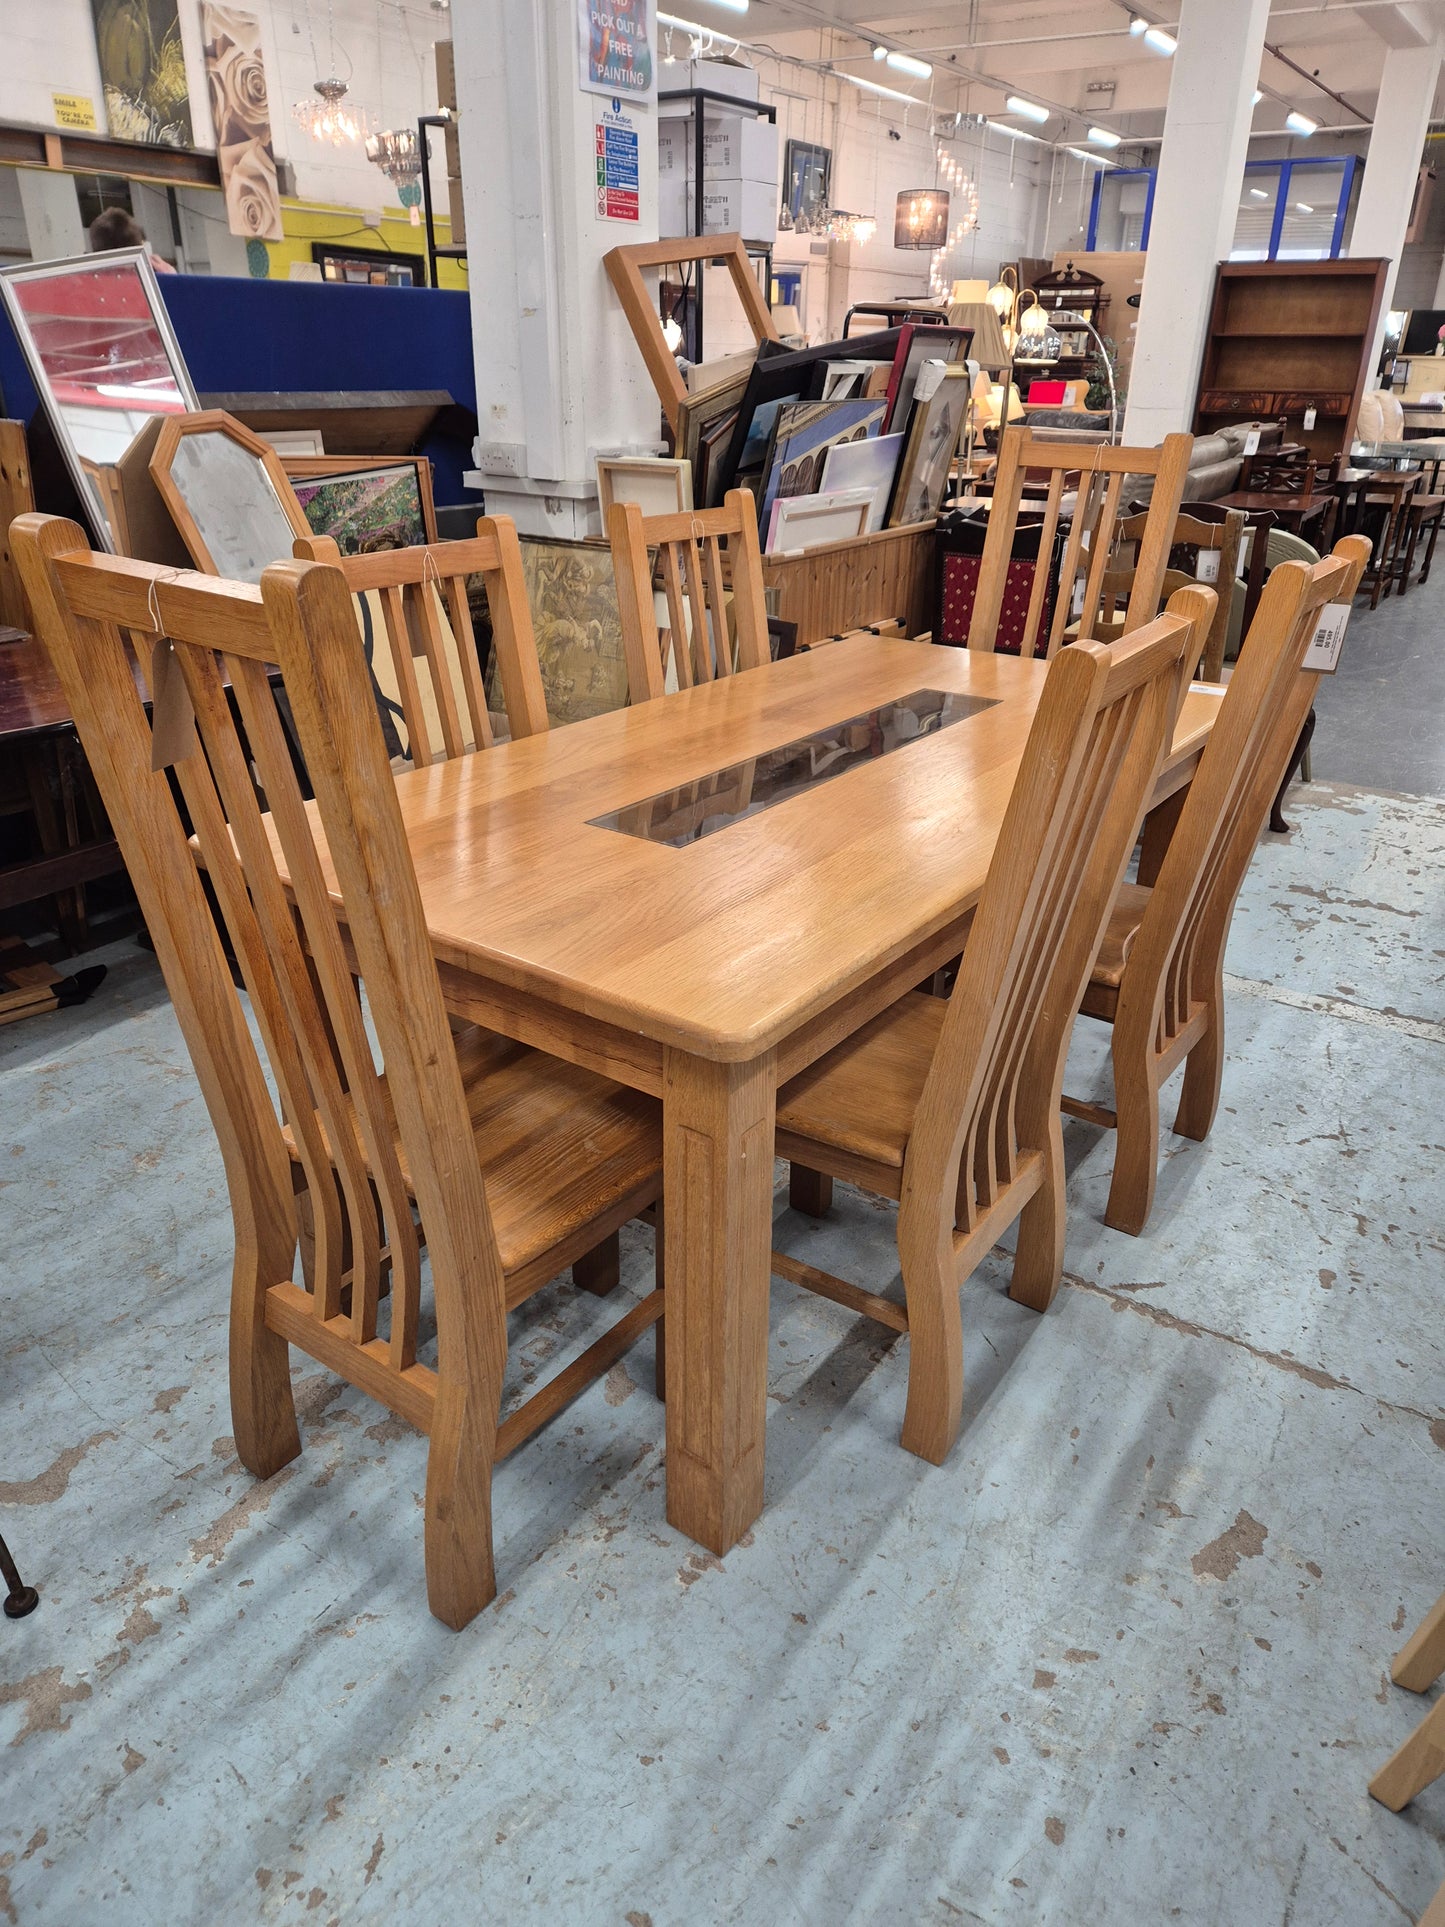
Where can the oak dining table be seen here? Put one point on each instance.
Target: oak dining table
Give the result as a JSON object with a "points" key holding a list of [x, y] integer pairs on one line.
{"points": [[698, 896]]}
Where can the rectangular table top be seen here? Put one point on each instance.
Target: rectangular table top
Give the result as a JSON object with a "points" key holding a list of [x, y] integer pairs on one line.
{"points": [[725, 946]]}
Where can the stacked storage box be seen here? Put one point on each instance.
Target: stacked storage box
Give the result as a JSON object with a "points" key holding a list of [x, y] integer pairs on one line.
{"points": [[447, 97], [740, 160]]}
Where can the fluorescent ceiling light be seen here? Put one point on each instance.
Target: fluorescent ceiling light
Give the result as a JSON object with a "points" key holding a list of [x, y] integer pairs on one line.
{"points": [[1161, 42], [1259, 194], [1083, 154], [888, 93], [909, 64], [1030, 109], [1014, 133], [1303, 207], [1258, 97], [1104, 137], [729, 6], [1138, 25], [1301, 124]]}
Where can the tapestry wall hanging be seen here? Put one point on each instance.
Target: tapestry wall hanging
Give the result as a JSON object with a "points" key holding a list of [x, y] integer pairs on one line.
{"points": [[242, 116], [143, 71]]}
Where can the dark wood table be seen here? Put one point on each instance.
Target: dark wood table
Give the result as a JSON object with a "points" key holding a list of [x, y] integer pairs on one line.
{"points": [[1293, 512]]}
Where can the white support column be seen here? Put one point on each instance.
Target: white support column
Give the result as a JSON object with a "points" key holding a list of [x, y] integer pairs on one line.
{"points": [[559, 377], [1392, 165], [1196, 199]]}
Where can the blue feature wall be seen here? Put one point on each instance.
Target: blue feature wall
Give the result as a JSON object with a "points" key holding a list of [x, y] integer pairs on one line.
{"points": [[293, 336]]}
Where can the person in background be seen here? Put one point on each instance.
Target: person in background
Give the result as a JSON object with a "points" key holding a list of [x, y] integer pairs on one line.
{"points": [[116, 229]]}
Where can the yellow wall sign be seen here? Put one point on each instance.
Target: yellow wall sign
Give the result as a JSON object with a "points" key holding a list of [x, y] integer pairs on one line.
{"points": [[75, 110]]}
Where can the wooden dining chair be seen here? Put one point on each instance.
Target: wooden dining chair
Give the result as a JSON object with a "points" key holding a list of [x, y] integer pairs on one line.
{"points": [[1421, 1760], [1100, 478], [431, 681], [1193, 537], [951, 1105], [696, 638], [1158, 978], [503, 1165]]}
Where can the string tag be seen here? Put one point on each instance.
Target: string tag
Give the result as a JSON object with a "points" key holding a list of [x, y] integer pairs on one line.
{"points": [[173, 719]]}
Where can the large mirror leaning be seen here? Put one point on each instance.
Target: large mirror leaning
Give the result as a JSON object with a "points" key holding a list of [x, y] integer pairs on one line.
{"points": [[227, 495], [104, 359]]}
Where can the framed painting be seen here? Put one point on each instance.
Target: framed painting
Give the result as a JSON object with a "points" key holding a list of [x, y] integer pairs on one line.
{"points": [[572, 594], [932, 444], [143, 71], [365, 509], [807, 177]]}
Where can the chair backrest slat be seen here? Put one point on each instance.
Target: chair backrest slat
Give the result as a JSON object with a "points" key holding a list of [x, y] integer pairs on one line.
{"points": [[1223, 537], [1095, 746], [1101, 472], [415, 587], [689, 557], [1178, 951]]}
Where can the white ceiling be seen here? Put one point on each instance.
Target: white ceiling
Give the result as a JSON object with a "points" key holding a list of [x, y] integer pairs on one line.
{"points": [[1051, 50]]}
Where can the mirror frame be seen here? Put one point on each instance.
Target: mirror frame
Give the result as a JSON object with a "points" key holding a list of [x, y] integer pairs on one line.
{"points": [[27, 271], [215, 421]]}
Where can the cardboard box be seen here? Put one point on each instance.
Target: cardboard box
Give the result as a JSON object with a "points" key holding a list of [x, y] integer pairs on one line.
{"points": [[446, 75], [723, 77], [674, 147], [454, 151], [458, 216], [749, 208], [674, 205], [739, 147]]}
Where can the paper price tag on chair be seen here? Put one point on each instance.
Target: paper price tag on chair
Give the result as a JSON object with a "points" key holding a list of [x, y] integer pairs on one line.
{"points": [[1251, 442], [1328, 639], [1206, 566]]}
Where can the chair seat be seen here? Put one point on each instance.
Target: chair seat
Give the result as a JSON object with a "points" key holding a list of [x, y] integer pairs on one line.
{"points": [[1124, 920], [560, 1147], [860, 1098]]}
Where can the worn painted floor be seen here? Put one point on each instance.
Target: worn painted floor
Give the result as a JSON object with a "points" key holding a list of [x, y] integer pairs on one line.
{"points": [[1123, 1659]]}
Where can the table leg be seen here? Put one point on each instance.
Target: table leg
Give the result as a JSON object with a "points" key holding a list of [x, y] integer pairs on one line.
{"points": [[717, 1123]]}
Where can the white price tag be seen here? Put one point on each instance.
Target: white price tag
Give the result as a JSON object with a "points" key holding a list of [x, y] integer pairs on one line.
{"points": [[1251, 442], [1206, 566], [1076, 607], [1309, 418], [1328, 639]]}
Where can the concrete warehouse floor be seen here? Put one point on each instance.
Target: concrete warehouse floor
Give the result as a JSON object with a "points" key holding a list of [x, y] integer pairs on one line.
{"points": [[1124, 1658]]}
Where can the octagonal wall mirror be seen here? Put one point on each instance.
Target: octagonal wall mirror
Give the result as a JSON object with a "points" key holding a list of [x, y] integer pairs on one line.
{"points": [[104, 359], [227, 494]]}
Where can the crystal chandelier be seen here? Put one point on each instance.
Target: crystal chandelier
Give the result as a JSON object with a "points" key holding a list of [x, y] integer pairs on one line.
{"points": [[331, 117], [397, 154], [842, 226]]}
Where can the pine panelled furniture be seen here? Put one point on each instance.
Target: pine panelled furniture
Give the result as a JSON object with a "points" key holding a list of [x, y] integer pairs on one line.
{"points": [[518, 1164], [697, 639], [703, 972], [1159, 975], [406, 581], [841, 586], [1098, 479], [951, 1107], [1409, 1770], [1286, 337]]}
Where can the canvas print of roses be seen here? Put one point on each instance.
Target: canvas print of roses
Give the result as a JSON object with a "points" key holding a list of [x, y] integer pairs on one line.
{"points": [[242, 117], [143, 71]]}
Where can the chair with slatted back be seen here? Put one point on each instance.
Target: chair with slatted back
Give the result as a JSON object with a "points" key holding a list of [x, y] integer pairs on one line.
{"points": [[696, 637], [435, 687], [1421, 1759], [1192, 538], [502, 1165], [1159, 975], [951, 1105], [1100, 483]]}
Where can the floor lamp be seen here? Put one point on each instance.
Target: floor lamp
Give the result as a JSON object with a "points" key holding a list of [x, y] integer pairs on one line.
{"points": [[1057, 318]]}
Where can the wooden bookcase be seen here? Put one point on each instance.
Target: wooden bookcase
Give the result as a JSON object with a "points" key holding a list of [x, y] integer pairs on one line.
{"points": [[1286, 336]]}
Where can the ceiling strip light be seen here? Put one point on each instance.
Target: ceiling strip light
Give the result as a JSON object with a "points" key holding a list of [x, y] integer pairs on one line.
{"points": [[1014, 133], [909, 64], [1301, 124], [1083, 154], [1159, 40], [1105, 137], [1030, 109], [888, 93]]}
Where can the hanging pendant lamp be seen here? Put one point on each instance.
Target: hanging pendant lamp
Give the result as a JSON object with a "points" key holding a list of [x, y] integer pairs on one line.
{"points": [[920, 218]]}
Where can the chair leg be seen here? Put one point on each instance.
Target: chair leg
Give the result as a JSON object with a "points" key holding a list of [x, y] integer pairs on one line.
{"points": [[1429, 552], [263, 1411], [460, 1578], [1434, 1914], [600, 1269], [810, 1192], [1136, 1135], [1421, 1660], [1412, 1768], [1203, 1076], [934, 1413], [20, 1599], [1039, 1255], [659, 1335], [1413, 536], [1276, 816]]}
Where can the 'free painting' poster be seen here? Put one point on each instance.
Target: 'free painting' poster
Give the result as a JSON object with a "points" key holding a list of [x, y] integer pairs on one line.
{"points": [[613, 47]]}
